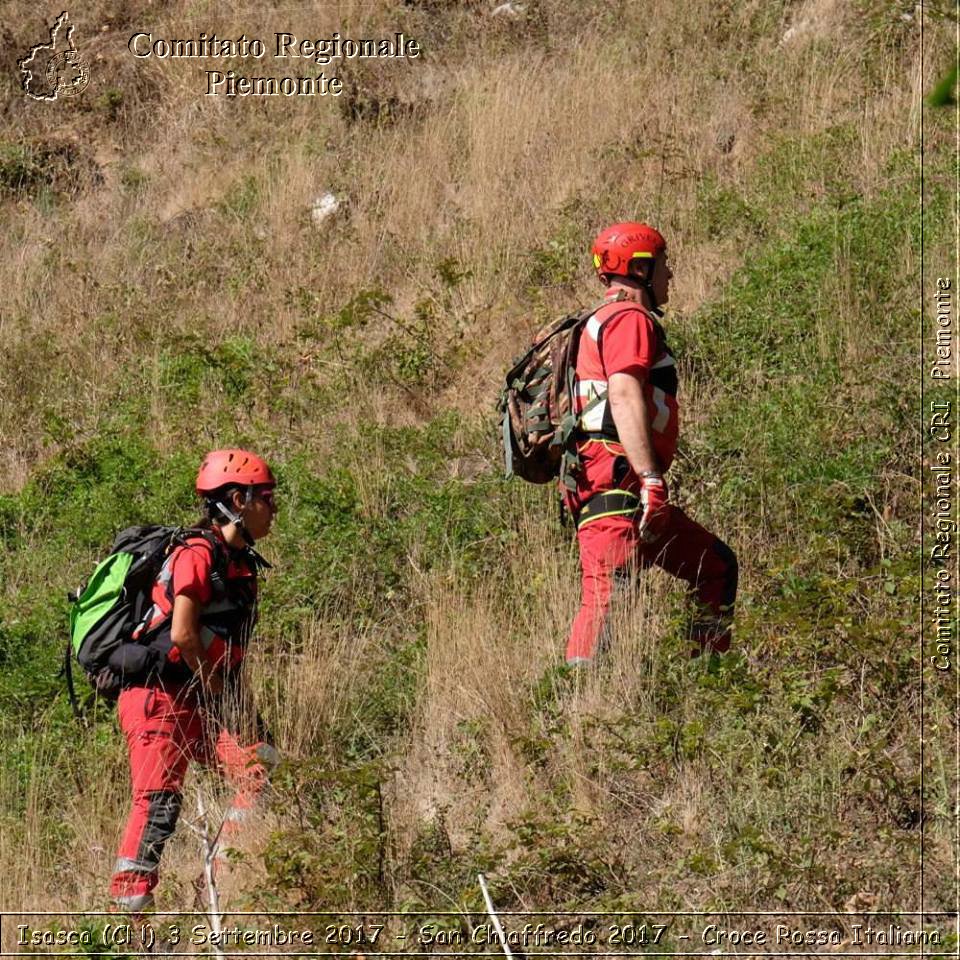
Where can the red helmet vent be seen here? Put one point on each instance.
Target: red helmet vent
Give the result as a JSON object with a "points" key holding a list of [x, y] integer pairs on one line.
{"points": [[221, 467]]}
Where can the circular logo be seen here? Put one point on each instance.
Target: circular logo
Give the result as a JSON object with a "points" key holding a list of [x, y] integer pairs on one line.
{"points": [[67, 73]]}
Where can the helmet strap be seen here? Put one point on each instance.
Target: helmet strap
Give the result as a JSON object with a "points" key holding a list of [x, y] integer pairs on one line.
{"points": [[257, 559], [645, 282], [235, 518], [642, 281], [654, 306]]}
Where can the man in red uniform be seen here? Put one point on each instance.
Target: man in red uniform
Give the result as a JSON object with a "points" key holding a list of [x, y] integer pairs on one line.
{"points": [[627, 438], [204, 608]]}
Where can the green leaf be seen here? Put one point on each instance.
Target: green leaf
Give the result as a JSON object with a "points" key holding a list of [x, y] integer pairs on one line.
{"points": [[942, 95]]}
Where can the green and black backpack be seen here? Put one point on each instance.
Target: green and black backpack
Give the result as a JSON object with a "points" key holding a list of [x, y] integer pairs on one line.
{"points": [[115, 601]]}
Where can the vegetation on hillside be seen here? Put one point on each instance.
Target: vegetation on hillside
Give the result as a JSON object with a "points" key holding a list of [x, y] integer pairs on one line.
{"points": [[166, 291]]}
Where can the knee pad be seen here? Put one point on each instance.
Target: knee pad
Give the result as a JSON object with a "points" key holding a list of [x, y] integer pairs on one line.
{"points": [[731, 572], [162, 815]]}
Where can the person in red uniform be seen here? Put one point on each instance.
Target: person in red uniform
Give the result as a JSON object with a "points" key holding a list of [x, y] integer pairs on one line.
{"points": [[204, 608], [626, 440]]}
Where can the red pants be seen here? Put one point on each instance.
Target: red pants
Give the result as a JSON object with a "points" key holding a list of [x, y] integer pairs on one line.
{"points": [[163, 734], [686, 550]]}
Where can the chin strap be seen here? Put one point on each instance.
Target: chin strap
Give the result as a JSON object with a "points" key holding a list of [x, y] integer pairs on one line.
{"points": [[655, 310], [647, 287], [235, 519]]}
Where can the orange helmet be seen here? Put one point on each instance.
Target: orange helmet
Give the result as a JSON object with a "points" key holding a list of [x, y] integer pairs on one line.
{"points": [[617, 247], [222, 467]]}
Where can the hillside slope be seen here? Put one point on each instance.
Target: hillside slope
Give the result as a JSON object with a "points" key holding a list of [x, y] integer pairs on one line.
{"points": [[166, 290]]}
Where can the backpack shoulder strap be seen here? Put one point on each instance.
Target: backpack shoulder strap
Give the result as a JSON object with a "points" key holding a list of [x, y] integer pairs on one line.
{"points": [[566, 434], [67, 672]]}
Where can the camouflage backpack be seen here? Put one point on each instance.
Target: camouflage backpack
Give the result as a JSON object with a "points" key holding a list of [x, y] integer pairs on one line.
{"points": [[538, 415]]}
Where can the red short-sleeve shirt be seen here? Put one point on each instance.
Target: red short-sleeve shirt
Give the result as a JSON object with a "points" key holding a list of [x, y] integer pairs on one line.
{"points": [[190, 568], [629, 344], [622, 338], [187, 572]]}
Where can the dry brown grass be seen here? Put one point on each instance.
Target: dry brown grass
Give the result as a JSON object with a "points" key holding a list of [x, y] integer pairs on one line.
{"points": [[505, 143]]}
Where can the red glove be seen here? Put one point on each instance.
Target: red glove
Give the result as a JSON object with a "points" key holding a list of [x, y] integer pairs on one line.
{"points": [[654, 497]]}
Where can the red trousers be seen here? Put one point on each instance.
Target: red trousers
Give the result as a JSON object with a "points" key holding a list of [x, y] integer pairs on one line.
{"points": [[164, 733], [611, 544]]}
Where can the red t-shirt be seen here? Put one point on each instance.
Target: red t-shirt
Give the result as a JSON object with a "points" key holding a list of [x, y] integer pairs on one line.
{"points": [[621, 337], [629, 342], [188, 572]]}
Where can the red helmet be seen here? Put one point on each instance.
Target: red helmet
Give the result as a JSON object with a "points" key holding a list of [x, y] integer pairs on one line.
{"points": [[242, 467], [618, 246]]}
